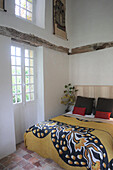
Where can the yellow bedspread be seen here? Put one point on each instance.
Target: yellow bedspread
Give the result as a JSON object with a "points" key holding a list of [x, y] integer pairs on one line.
{"points": [[73, 143]]}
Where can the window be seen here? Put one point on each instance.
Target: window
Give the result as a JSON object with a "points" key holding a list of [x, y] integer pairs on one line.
{"points": [[22, 66], [29, 74], [24, 8], [16, 74]]}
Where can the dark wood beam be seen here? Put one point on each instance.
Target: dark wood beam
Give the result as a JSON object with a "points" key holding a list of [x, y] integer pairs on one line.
{"points": [[92, 47], [36, 41], [30, 39]]}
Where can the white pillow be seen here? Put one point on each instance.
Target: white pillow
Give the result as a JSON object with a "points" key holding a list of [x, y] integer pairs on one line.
{"points": [[91, 116]]}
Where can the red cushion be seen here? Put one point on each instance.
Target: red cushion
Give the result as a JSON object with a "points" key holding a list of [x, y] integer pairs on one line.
{"points": [[102, 115], [79, 110]]}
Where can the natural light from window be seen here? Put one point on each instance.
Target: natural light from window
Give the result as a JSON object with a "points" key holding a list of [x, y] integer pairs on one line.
{"points": [[24, 8], [29, 74], [16, 74], [22, 66]]}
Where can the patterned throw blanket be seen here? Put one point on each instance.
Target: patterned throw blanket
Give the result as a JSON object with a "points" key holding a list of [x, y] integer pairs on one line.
{"points": [[76, 145]]}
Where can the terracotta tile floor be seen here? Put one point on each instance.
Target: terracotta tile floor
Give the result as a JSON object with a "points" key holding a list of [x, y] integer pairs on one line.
{"points": [[24, 159]]}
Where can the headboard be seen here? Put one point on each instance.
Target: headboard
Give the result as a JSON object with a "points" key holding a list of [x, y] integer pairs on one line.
{"points": [[95, 91]]}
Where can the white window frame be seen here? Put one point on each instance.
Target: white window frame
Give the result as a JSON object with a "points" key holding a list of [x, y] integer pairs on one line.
{"points": [[29, 75], [10, 7], [16, 75], [23, 47], [25, 10]]}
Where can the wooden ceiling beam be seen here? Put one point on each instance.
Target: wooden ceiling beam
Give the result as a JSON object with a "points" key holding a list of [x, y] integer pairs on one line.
{"points": [[30, 39], [92, 47], [36, 41]]}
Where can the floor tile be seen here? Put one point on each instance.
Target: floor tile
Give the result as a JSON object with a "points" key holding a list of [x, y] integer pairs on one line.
{"points": [[23, 159], [1, 167], [48, 160], [28, 166], [4, 160], [27, 156], [33, 160], [16, 159], [7, 163], [21, 152], [37, 164], [22, 163], [11, 166], [18, 168], [30, 152]]}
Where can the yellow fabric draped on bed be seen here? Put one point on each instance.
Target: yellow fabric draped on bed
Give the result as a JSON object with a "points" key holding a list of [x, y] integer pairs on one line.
{"points": [[100, 133]]}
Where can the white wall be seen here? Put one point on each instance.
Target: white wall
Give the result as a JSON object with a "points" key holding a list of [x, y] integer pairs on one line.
{"points": [[7, 132], [92, 22], [56, 75], [40, 13], [93, 68], [53, 74], [40, 86]]}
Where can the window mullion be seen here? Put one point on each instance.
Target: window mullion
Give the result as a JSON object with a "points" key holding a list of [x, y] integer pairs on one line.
{"points": [[23, 76]]}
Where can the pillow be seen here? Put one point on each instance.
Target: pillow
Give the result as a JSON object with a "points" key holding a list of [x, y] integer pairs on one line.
{"points": [[105, 105], [79, 110], [102, 115], [86, 102]]}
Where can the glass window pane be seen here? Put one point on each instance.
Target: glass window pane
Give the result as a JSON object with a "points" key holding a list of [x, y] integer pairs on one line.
{"points": [[12, 50], [32, 96], [17, 2], [18, 79], [27, 88], [26, 53], [19, 89], [31, 54], [13, 70], [23, 13], [18, 70], [30, 1], [29, 6], [31, 79], [14, 99], [13, 79], [23, 3], [27, 79], [26, 70], [31, 71], [29, 16], [31, 88], [17, 9], [27, 97], [14, 89], [26, 62], [19, 98], [18, 51], [18, 61], [31, 62], [12, 60]]}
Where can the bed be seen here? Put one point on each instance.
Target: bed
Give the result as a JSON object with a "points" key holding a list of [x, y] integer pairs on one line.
{"points": [[74, 141]]}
